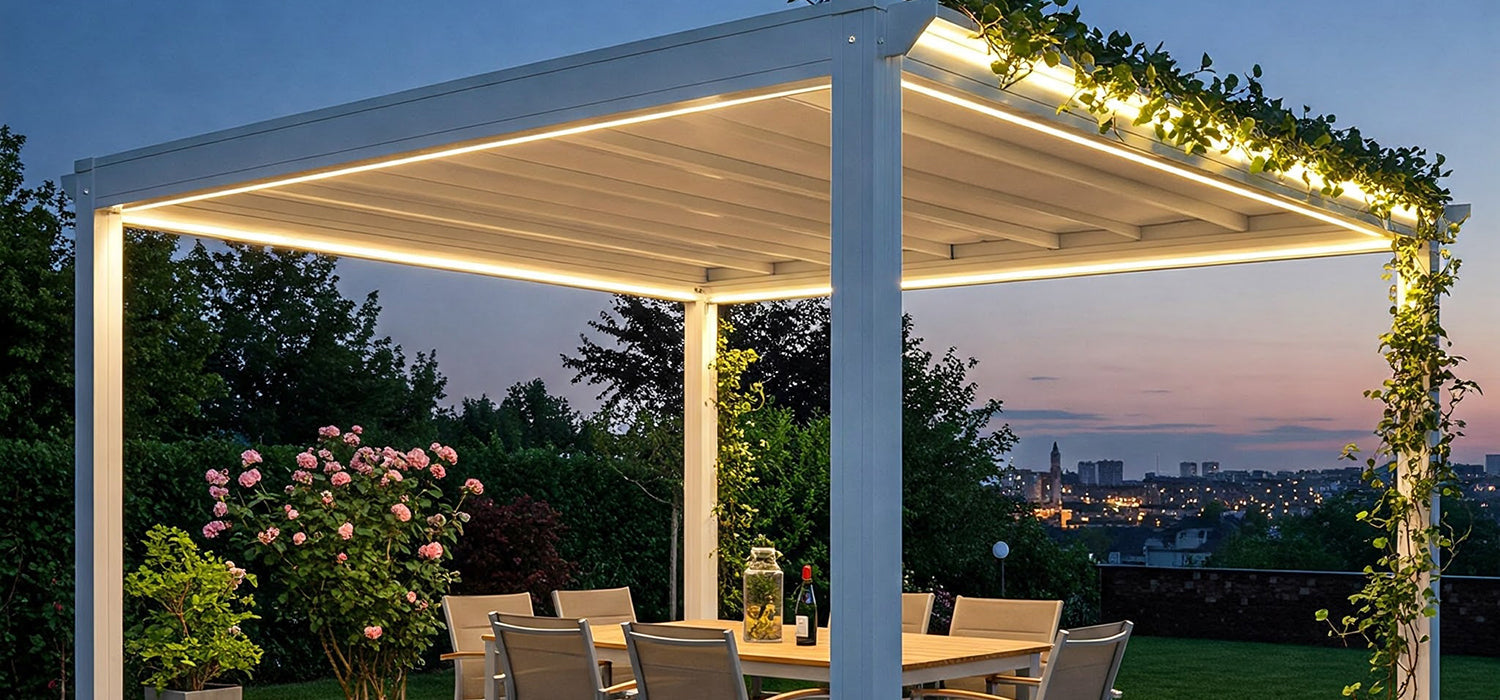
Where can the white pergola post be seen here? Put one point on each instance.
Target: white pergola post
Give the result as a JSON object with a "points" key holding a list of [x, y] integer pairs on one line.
{"points": [[866, 361], [700, 482], [98, 480]]}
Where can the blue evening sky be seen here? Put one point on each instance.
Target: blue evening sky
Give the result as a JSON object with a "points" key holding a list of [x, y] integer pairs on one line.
{"points": [[1255, 366]]}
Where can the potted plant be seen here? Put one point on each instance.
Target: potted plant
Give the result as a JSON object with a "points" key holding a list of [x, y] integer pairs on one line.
{"points": [[189, 633]]}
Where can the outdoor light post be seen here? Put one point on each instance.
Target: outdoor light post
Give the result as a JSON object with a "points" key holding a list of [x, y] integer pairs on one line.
{"points": [[1001, 550]]}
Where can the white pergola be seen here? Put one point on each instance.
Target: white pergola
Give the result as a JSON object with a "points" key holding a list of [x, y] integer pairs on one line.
{"points": [[855, 148]]}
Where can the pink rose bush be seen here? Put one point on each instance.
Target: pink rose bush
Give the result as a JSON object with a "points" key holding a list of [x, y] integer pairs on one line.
{"points": [[382, 520]]}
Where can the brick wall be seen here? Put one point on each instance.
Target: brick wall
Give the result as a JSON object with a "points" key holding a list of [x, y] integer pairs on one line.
{"points": [[1278, 606]]}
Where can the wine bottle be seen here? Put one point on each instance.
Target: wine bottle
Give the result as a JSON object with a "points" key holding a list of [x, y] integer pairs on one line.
{"points": [[806, 612]]}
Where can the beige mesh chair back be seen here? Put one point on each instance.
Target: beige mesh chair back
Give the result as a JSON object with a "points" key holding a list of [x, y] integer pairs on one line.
{"points": [[1084, 664], [547, 658], [673, 662], [1085, 661], [468, 619], [1003, 618], [601, 606], [916, 612]]}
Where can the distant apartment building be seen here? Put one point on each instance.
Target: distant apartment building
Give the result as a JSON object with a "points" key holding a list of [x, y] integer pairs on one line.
{"points": [[1187, 470], [1492, 465], [1111, 472], [1088, 473], [1210, 468]]}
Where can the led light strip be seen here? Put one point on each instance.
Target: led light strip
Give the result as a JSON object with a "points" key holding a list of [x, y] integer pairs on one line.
{"points": [[956, 42], [570, 131], [1371, 246], [429, 261]]}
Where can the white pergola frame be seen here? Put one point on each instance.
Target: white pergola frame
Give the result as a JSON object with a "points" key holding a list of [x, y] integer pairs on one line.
{"points": [[479, 175]]}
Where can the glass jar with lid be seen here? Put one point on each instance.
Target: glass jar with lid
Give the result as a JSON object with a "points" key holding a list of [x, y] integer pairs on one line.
{"points": [[763, 595]]}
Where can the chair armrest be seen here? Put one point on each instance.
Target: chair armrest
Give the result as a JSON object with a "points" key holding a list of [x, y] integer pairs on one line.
{"points": [[952, 693], [607, 671], [804, 693], [462, 655], [619, 688]]}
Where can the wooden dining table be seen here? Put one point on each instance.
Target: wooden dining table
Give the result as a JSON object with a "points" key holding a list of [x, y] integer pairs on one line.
{"points": [[925, 658]]}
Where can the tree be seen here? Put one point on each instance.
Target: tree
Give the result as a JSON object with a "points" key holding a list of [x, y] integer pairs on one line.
{"points": [[295, 354], [36, 301], [168, 340], [638, 361]]}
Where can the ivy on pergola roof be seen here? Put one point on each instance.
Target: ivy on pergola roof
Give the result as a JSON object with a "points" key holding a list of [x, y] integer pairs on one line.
{"points": [[697, 166]]}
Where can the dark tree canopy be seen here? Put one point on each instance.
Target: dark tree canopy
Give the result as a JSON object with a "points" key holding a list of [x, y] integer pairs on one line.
{"points": [[296, 354], [638, 357], [36, 301]]}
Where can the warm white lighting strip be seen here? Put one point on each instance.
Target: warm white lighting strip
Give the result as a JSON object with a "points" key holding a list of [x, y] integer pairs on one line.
{"points": [[1143, 160], [570, 131], [956, 42], [430, 261], [1370, 246]]}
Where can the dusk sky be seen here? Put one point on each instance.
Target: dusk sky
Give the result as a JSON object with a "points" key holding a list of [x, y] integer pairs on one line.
{"points": [[1256, 366]]}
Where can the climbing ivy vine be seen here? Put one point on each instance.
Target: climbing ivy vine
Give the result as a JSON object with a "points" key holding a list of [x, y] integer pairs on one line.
{"points": [[736, 466], [1195, 108]]}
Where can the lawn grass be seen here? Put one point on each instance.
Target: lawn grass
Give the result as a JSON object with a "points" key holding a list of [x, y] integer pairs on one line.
{"points": [[1155, 668]]}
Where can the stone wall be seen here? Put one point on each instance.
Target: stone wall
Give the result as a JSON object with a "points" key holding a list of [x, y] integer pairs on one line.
{"points": [[1278, 606]]}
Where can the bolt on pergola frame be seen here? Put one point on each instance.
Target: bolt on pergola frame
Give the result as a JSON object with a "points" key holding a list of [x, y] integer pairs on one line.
{"points": [[855, 148]]}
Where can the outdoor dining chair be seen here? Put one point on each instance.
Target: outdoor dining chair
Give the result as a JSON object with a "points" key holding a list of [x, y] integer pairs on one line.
{"points": [[916, 612], [673, 662], [1083, 666], [467, 618], [549, 658], [1003, 618], [600, 606]]}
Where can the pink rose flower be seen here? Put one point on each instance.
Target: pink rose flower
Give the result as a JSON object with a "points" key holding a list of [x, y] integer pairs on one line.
{"points": [[393, 475], [268, 536], [339, 478], [216, 478], [356, 430], [448, 454], [328, 431], [343, 557], [306, 460], [249, 457], [421, 605], [250, 478], [214, 527], [435, 446], [346, 530], [431, 550], [329, 467], [351, 439], [417, 458], [402, 512], [411, 596], [221, 509], [324, 454], [373, 632], [327, 498], [302, 477], [299, 538], [218, 491], [473, 486], [291, 514], [438, 471]]}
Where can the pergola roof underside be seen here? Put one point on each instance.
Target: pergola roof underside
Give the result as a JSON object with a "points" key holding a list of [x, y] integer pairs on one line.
{"points": [[735, 202]]}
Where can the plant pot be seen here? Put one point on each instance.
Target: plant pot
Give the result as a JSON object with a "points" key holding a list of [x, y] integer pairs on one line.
{"points": [[212, 691]]}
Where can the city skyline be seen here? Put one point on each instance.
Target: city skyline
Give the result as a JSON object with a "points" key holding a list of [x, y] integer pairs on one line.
{"points": [[1255, 366]]}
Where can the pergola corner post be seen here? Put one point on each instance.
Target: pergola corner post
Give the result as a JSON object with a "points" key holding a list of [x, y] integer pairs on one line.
{"points": [[1423, 631], [98, 479], [865, 402], [700, 432]]}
